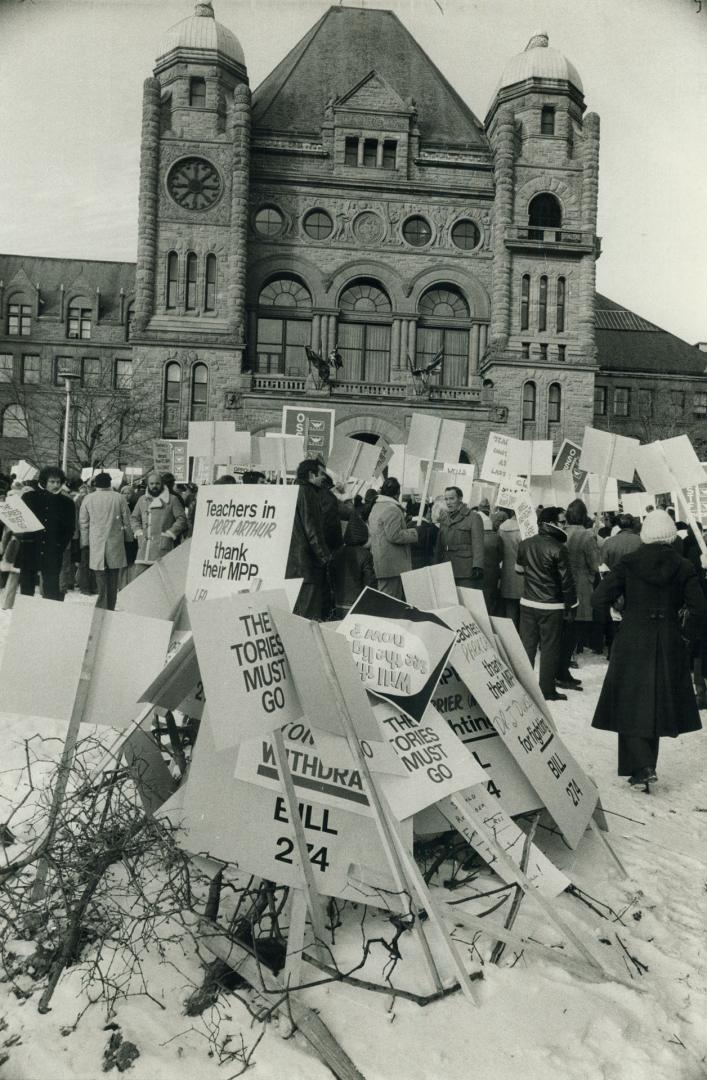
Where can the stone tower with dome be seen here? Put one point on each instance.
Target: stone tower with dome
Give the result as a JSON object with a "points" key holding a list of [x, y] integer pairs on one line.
{"points": [[542, 351]]}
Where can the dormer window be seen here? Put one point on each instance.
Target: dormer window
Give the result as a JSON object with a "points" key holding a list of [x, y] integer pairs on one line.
{"points": [[370, 153], [547, 120], [197, 93], [389, 153], [351, 152]]}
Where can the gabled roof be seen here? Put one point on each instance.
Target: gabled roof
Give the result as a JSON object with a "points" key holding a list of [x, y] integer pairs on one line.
{"points": [[337, 53], [50, 274], [628, 342]]}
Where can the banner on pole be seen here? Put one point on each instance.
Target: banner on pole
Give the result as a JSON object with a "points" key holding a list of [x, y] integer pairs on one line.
{"points": [[170, 455], [433, 439], [605, 454], [316, 426], [567, 460]]}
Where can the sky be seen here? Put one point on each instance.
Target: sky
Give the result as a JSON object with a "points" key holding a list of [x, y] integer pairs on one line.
{"points": [[71, 74]]}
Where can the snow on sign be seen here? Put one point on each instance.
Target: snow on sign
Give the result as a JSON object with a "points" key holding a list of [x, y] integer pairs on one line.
{"points": [[247, 823], [244, 670], [399, 651], [241, 535], [436, 765], [569, 795]]}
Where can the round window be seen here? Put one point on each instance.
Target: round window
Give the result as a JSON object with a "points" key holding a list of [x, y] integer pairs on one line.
{"points": [[318, 225], [268, 221], [466, 235], [194, 183], [417, 231]]}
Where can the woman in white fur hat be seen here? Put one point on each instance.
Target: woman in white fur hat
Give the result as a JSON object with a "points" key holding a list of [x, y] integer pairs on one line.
{"points": [[648, 692]]}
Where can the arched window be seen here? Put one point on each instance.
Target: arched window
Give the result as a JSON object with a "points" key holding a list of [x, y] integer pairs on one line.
{"points": [[284, 327], [79, 319], [364, 331], [172, 280], [172, 400], [560, 308], [542, 304], [13, 423], [210, 284], [190, 303], [199, 392], [544, 216], [444, 328], [525, 302], [530, 395], [554, 403]]}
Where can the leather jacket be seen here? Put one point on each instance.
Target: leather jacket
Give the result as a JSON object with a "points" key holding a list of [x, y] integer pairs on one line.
{"points": [[308, 553], [545, 565]]}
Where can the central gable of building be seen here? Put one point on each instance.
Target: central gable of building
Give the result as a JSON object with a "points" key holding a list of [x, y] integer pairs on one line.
{"points": [[341, 52]]}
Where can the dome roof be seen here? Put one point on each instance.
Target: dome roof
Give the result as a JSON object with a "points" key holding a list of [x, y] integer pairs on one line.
{"points": [[201, 33], [539, 61]]}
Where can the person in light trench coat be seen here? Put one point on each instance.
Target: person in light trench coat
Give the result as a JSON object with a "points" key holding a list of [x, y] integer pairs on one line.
{"points": [[391, 539], [104, 524]]}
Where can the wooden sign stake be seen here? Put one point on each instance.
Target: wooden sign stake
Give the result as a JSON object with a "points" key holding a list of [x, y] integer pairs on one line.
{"points": [[288, 787], [295, 936], [405, 871], [67, 756]]}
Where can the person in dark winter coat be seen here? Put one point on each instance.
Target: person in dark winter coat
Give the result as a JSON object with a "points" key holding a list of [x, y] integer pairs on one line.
{"points": [[43, 552], [461, 541], [422, 553], [648, 693], [331, 515], [352, 566], [309, 555], [549, 596]]}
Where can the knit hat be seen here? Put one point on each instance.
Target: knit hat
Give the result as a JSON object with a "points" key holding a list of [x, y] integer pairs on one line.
{"points": [[356, 532], [658, 528]]}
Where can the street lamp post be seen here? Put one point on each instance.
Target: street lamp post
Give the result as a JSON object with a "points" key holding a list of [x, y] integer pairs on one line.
{"points": [[67, 376]]}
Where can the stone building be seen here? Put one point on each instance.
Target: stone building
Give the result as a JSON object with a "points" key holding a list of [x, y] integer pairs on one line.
{"points": [[352, 202]]}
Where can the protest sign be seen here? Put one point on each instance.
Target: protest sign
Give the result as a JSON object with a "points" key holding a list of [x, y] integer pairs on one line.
{"points": [[606, 454], [246, 823], [277, 453], [309, 650], [511, 648], [244, 670], [509, 494], [399, 651], [436, 765], [23, 471], [16, 516], [352, 458], [170, 455], [504, 780], [444, 476], [636, 503], [405, 467], [495, 467], [128, 651], [494, 820], [241, 535], [159, 590], [526, 516], [567, 460], [217, 440], [530, 457], [569, 795], [481, 491], [434, 439], [475, 603], [668, 464], [179, 681], [430, 587], [600, 493], [315, 777], [147, 767], [315, 426], [555, 490]]}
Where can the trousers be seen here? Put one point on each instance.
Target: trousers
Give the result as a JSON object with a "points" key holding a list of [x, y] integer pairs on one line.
{"points": [[107, 582], [50, 584], [542, 629]]}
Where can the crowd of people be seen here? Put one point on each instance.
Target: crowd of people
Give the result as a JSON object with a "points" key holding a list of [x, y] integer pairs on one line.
{"points": [[610, 582]]}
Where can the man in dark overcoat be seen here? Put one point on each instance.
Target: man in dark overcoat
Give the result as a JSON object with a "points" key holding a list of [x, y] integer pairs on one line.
{"points": [[43, 552], [309, 555], [648, 692]]}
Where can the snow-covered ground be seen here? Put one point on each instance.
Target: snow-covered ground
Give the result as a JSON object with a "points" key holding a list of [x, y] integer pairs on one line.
{"points": [[535, 1020]]}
